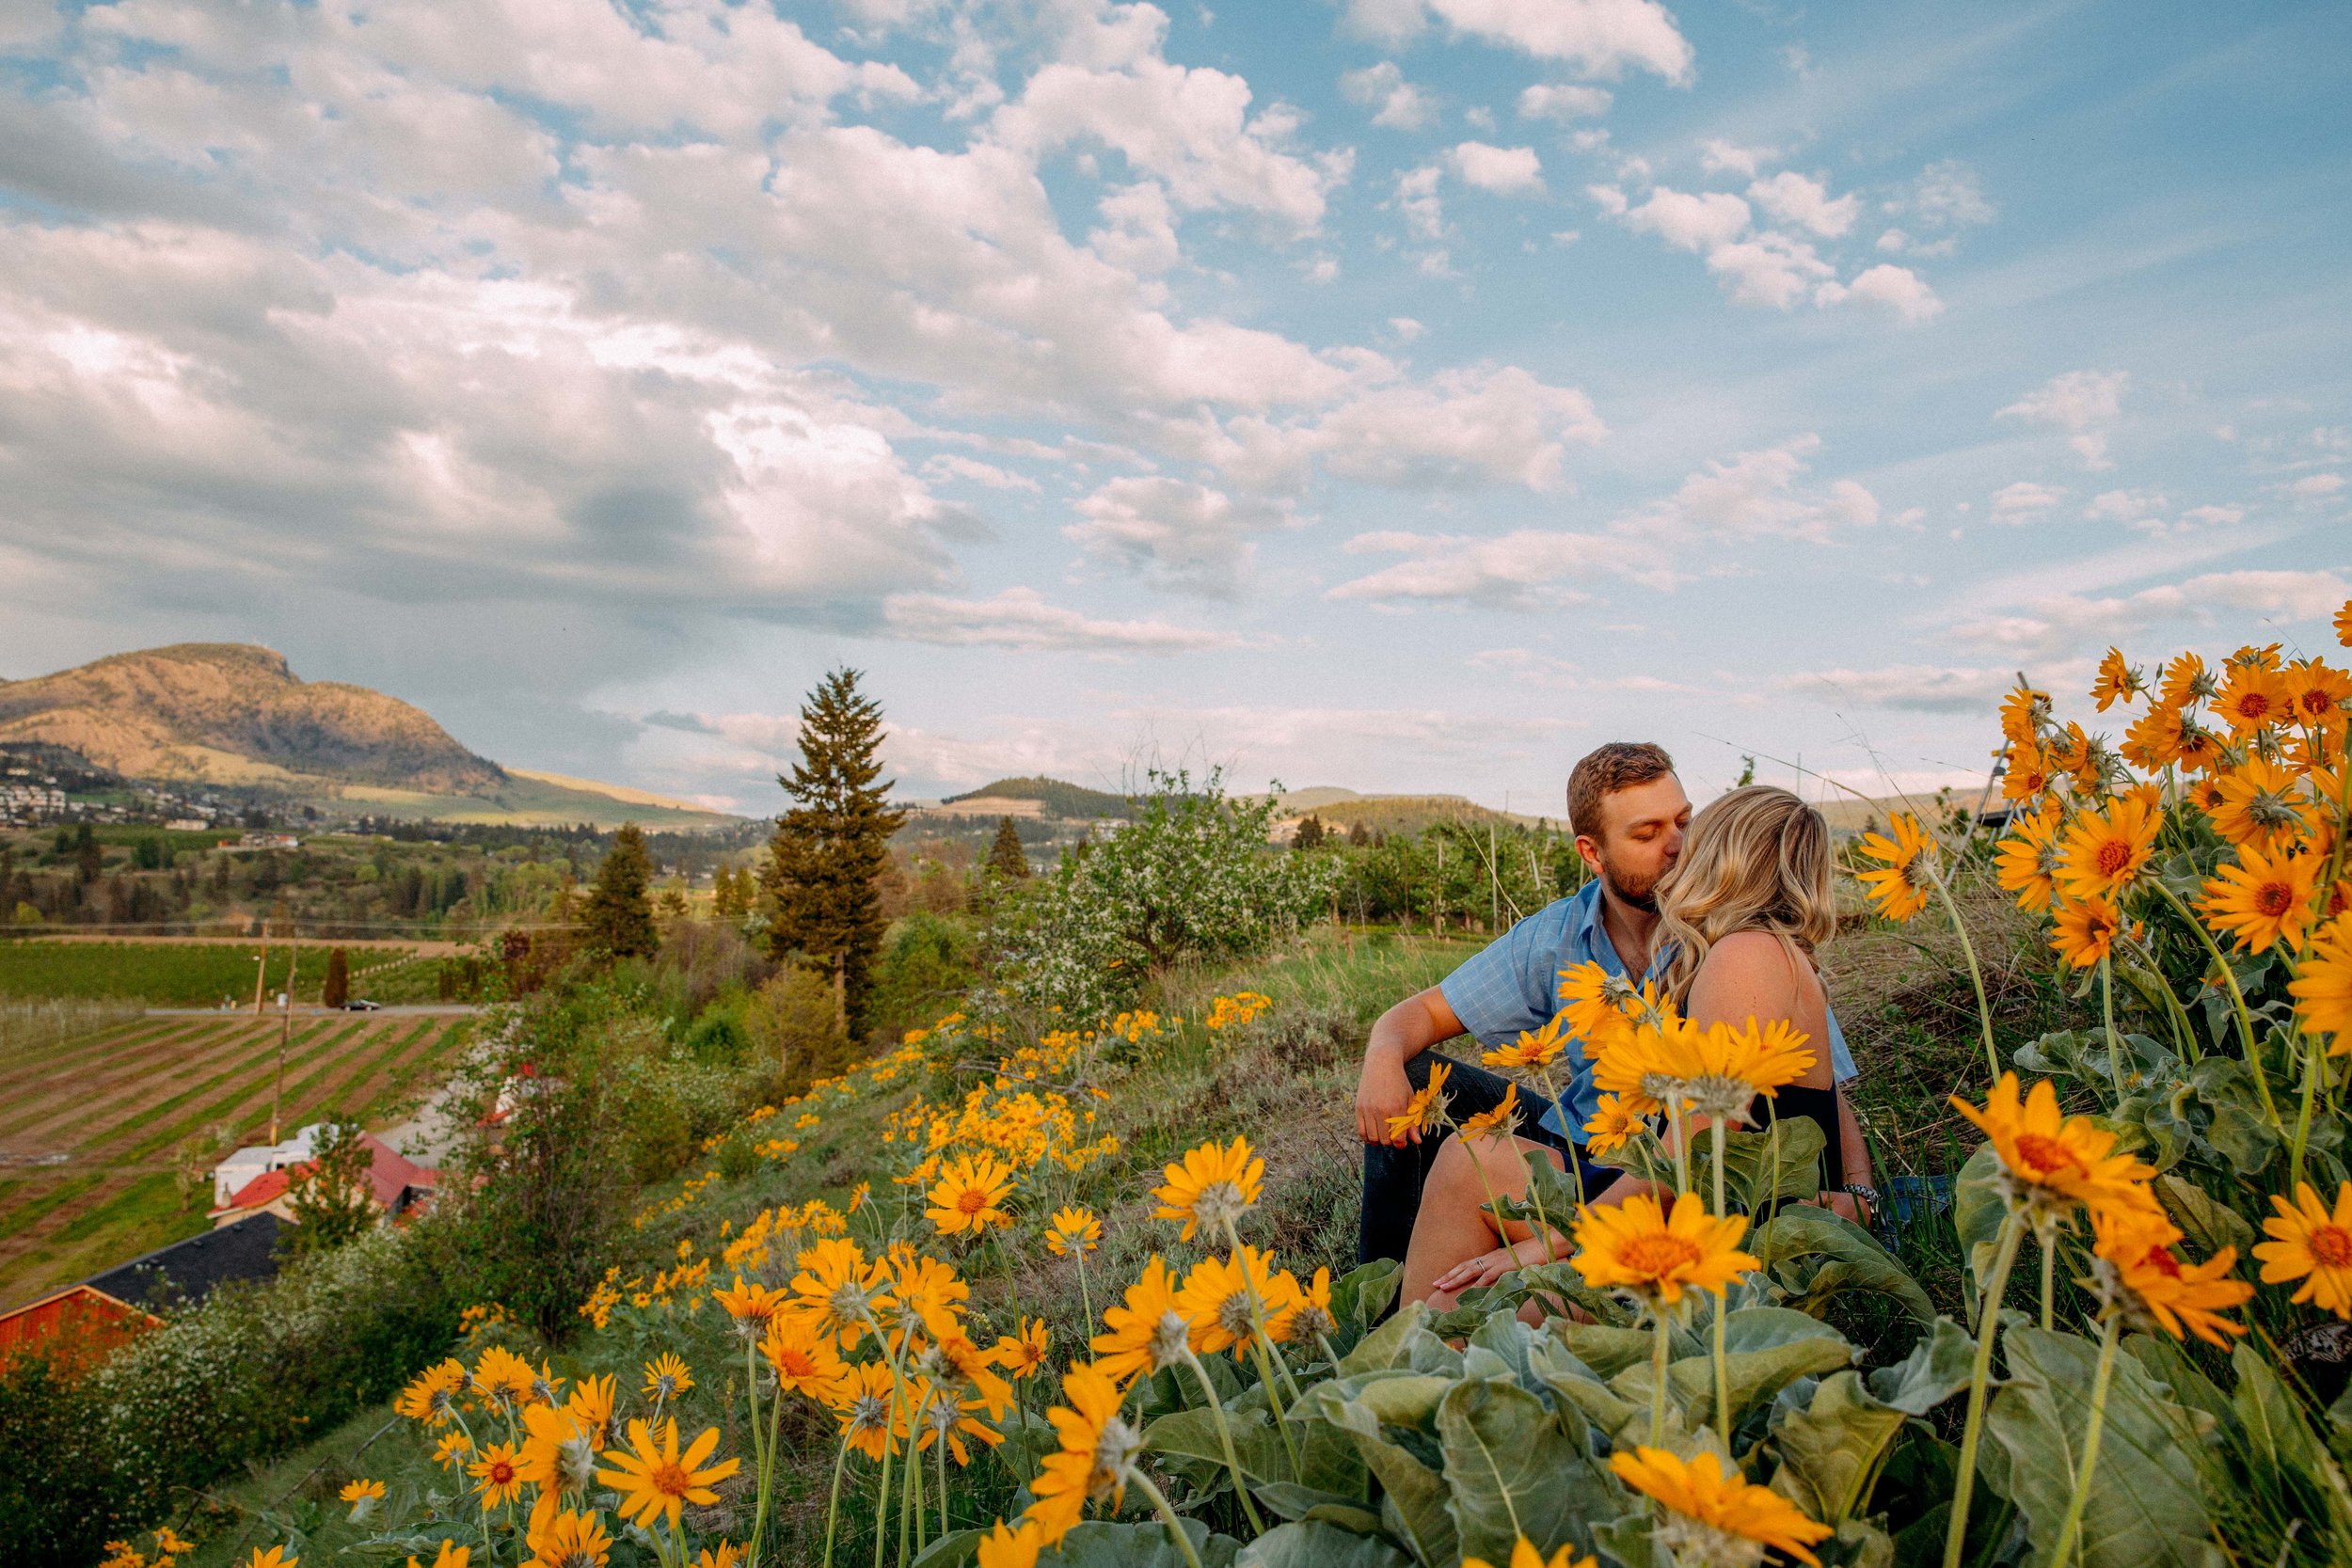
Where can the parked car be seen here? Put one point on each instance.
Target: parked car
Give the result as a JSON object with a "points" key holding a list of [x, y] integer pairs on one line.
{"points": [[361, 1004]]}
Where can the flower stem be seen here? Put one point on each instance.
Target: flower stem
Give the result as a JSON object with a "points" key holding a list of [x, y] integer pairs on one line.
{"points": [[1167, 1517], [2091, 1434], [2238, 997], [1225, 1440], [766, 1474], [2313, 1057], [1723, 1310], [2047, 1241], [1661, 1343], [1989, 1317], [1976, 973], [1085, 1297], [833, 1504], [2115, 1044], [939, 1463]]}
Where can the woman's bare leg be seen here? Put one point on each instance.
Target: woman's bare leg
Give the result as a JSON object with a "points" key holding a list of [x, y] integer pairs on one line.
{"points": [[1452, 1226]]}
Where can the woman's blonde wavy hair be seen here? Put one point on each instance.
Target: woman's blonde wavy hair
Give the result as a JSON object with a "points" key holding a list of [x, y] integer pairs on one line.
{"points": [[1757, 859]]}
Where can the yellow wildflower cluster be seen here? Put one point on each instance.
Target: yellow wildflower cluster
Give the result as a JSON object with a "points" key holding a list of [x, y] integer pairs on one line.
{"points": [[1231, 1012], [163, 1550]]}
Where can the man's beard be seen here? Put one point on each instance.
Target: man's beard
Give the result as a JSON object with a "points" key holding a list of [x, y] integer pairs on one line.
{"points": [[1640, 895]]}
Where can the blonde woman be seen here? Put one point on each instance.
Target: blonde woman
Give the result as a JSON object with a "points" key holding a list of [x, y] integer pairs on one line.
{"points": [[1739, 918]]}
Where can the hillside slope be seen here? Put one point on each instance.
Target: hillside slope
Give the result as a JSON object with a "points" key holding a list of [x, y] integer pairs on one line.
{"points": [[229, 713]]}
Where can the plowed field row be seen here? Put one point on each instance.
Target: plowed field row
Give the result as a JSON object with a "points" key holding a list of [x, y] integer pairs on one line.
{"points": [[124, 1106]]}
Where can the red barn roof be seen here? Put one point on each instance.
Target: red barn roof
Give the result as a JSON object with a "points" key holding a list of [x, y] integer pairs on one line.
{"points": [[391, 1175]]}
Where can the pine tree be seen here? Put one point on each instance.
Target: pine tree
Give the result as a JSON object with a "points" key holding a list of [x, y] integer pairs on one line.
{"points": [[829, 849], [329, 1196], [617, 919], [1359, 836], [337, 990], [89, 858], [1310, 834], [1006, 857]]}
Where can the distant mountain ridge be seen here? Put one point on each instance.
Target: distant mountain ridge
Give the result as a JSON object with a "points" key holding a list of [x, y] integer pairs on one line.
{"points": [[232, 714], [1054, 798], [229, 713]]}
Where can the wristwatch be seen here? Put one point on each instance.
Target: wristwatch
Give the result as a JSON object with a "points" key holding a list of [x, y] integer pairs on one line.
{"points": [[1874, 1217]]}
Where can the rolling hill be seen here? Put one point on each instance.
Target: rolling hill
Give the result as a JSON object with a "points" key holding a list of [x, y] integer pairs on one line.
{"points": [[236, 717]]}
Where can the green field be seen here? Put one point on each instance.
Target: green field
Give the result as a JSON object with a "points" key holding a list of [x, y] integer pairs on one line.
{"points": [[107, 1136], [168, 974]]}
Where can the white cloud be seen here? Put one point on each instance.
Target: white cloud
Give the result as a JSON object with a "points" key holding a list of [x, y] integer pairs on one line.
{"points": [[1689, 221], [1717, 156], [1395, 103], [1495, 425], [2125, 506], [1771, 269], [2084, 403], [1947, 195], [1757, 493], [1505, 170], [2055, 625], [948, 465], [1790, 198], [1917, 687], [2213, 516], [1405, 328], [2314, 486], [1417, 199], [1139, 231], [1020, 618], [1595, 38], [1559, 101], [1514, 570], [1897, 291], [2023, 501], [1175, 534]]}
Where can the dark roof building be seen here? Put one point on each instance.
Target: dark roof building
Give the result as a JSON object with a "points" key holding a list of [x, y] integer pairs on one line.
{"points": [[188, 1271]]}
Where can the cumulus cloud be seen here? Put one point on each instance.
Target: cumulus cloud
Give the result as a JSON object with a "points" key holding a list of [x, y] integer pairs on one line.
{"points": [[1917, 687], [1563, 100], [1518, 570], [2084, 403], [1771, 269], [1505, 170], [2055, 624], [1717, 156], [1758, 493], [1020, 618], [1491, 424], [1175, 534], [1595, 38], [2023, 501], [1897, 291], [1791, 197], [1690, 221], [1395, 102]]}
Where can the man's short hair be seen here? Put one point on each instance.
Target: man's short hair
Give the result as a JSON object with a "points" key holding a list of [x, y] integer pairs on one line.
{"points": [[1606, 769]]}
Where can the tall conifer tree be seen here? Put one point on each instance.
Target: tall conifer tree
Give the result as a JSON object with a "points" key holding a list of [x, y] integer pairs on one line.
{"points": [[1006, 857], [618, 917], [826, 859]]}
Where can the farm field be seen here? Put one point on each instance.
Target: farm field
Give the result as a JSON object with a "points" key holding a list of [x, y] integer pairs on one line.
{"points": [[139, 1110], [173, 973]]}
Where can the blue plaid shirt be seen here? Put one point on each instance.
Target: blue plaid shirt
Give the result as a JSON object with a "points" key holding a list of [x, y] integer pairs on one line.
{"points": [[1514, 984]]}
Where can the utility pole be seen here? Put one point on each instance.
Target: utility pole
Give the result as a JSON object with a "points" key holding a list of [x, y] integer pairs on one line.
{"points": [[262, 971], [285, 1036]]}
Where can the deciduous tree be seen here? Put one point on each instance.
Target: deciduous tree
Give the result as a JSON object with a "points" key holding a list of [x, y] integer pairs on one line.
{"points": [[329, 1196]]}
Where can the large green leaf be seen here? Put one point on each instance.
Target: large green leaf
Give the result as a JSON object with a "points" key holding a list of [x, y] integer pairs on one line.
{"points": [[1816, 1254], [1750, 1375], [1511, 1470], [1572, 1383], [2146, 1505], [1762, 1167], [1403, 1343], [2278, 1434], [1099, 1544], [1360, 1295], [1937, 1367], [1609, 1351], [2168, 1364], [1413, 1495], [1829, 1450], [1313, 1544], [1978, 1212], [2211, 1224], [1327, 1461]]}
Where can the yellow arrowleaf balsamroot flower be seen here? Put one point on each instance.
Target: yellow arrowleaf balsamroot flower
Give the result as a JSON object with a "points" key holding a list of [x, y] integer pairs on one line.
{"points": [[571, 1541], [501, 1375], [667, 1377], [970, 1194], [275, 1557], [2116, 680], [1147, 1332], [1022, 1355], [1535, 1049], [2255, 698], [1074, 1231], [500, 1473], [451, 1555], [1602, 1009], [1726, 1066], [2261, 804], [656, 1480], [451, 1449], [2186, 681], [804, 1359], [867, 1410], [2323, 987], [2024, 773], [1500, 1122], [431, 1397], [557, 1454], [591, 1405], [1704, 1503], [2025, 861], [2164, 735], [1213, 1186], [1906, 876], [750, 1305], [2057, 1161], [2320, 694], [2310, 1244], [1016, 1547], [2024, 712], [2140, 1265], [1224, 1298], [2262, 899], [1639, 1247], [2103, 852], [1613, 1122], [837, 1291], [2343, 624], [1524, 1555], [1301, 1312], [726, 1554], [1097, 1454], [355, 1490], [1427, 1109], [2084, 933]]}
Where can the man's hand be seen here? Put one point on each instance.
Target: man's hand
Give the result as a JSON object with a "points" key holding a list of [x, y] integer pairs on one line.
{"points": [[1382, 1091]]}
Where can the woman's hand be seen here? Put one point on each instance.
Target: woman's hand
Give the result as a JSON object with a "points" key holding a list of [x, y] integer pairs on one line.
{"points": [[1487, 1267]]}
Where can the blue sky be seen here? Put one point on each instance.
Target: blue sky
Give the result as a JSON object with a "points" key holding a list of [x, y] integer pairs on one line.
{"points": [[1404, 394]]}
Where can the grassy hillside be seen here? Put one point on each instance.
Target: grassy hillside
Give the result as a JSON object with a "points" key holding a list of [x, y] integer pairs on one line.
{"points": [[1054, 798]]}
